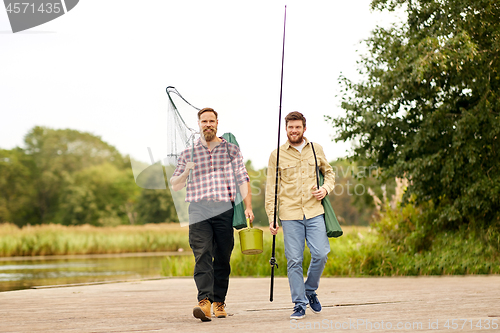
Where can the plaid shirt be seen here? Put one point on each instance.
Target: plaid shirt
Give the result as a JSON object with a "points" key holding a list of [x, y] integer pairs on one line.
{"points": [[213, 177]]}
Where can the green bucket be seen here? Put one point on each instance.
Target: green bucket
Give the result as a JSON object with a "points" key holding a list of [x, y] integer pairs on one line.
{"points": [[251, 240]]}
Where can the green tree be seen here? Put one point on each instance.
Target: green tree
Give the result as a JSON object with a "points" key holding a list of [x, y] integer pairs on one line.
{"points": [[350, 198], [154, 205], [16, 190], [428, 108], [56, 155], [100, 195]]}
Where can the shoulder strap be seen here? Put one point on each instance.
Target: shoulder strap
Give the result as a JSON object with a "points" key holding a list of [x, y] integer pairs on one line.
{"points": [[232, 167], [316, 163]]}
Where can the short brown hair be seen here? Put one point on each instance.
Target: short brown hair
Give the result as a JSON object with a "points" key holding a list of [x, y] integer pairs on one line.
{"points": [[202, 111], [295, 115]]}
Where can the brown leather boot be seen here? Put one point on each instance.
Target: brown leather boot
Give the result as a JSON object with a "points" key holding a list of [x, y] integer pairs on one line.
{"points": [[219, 311], [202, 310]]}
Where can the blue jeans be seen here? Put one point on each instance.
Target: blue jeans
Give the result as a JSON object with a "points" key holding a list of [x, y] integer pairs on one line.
{"points": [[296, 232]]}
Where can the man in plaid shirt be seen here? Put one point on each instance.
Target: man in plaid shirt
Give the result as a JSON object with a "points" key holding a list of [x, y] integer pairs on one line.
{"points": [[211, 193]]}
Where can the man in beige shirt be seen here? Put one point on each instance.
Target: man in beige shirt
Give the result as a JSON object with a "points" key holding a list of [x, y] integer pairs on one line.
{"points": [[300, 210]]}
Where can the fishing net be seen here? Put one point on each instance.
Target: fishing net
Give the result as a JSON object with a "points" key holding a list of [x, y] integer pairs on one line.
{"points": [[180, 134], [182, 120]]}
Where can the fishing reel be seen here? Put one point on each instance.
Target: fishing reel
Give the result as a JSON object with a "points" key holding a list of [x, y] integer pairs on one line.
{"points": [[273, 262]]}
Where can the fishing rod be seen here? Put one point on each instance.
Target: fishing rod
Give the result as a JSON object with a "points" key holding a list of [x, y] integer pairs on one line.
{"points": [[272, 261]]}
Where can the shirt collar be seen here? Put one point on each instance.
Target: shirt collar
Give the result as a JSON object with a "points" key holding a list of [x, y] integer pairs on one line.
{"points": [[198, 143]]}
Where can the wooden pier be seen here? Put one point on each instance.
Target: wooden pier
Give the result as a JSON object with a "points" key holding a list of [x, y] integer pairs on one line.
{"points": [[444, 304]]}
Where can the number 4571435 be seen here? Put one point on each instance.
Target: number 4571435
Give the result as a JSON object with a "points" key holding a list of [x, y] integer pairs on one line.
{"points": [[29, 7], [485, 324]]}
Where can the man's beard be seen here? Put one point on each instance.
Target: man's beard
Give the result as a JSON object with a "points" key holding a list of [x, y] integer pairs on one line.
{"points": [[299, 139], [209, 133]]}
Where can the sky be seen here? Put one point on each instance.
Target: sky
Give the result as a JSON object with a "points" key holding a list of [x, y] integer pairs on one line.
{"points": [[103, 68]]}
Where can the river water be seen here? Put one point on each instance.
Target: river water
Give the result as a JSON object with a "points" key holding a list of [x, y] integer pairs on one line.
{"points": [[35, 272]]}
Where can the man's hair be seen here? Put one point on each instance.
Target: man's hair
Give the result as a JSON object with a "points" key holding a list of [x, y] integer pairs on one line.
{"points": [[295, 115], [202, 111]]}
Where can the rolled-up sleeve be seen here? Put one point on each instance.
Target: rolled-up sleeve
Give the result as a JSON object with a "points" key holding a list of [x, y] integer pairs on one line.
{"points": [[181, 165], [242, 174]]}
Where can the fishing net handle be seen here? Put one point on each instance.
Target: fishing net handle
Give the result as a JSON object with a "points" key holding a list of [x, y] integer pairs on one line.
{"points": [[171, 89]]}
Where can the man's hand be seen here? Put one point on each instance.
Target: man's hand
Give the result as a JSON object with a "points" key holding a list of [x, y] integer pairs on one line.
{"points": [[249, 214], [273, 230], [319, 194], [189, 166], [180, 181]]}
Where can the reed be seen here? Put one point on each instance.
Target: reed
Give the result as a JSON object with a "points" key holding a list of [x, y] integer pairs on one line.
{"points": [[258, 265], [362, 252], [56, 239]]}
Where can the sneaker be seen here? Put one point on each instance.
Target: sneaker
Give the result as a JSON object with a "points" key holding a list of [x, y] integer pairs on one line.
{"points": [[314, 303], [202, 310], [298, 312], [219, 311]]}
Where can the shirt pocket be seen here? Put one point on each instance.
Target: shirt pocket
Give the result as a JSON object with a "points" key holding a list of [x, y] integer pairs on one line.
{"points": [[311, 168], [289, 172]]}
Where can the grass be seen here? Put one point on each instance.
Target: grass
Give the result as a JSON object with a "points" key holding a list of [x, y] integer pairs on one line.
{"points": [[359, 252], [362, 252], [56, 239], [340, 260], [451, 253]]}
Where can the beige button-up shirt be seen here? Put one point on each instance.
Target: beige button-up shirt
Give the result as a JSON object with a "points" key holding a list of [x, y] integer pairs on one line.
{"points": [[297, 177]]}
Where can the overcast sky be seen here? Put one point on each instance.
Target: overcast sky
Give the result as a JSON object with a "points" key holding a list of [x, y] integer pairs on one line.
{"points": [[103, 68]]}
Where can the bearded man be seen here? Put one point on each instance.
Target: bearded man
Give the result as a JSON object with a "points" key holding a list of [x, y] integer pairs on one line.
{"points": [[211, 193], [300, 210]]}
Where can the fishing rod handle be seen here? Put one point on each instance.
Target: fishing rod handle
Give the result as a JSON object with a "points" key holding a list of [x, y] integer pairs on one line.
{"points": [[272, 285], [273, 263]]}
